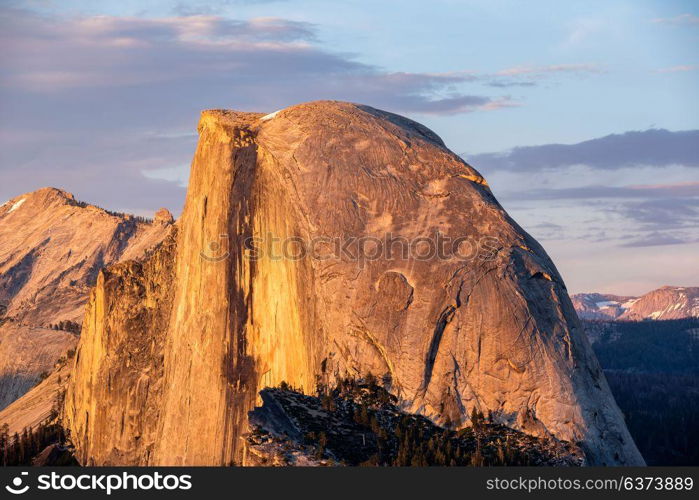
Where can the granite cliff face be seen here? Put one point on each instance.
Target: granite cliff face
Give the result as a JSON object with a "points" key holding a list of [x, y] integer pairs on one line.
{"points": [[174, 353], [115, 397], [51, 249]]}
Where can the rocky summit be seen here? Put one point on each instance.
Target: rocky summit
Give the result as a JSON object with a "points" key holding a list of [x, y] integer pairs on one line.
{"points": [[53, 247], [668, 302], [311, 249]]}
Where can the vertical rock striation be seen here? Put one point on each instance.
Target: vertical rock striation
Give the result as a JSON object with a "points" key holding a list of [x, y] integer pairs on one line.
{"points": [[114, 396], [241, 308]]}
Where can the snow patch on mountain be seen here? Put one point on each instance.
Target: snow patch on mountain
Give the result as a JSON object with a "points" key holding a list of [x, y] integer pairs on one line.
{"points": [[668, 302], [17, 205]]}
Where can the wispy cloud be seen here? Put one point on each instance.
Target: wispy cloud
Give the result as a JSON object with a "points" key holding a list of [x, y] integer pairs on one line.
{"points": [[679, 190], [682, 19], [655, 147], [648, 207], [524, 75], [583, 29], [192, 7], [657, 238], [678, 69], [663, 213], [539, 71], [107, 91]]}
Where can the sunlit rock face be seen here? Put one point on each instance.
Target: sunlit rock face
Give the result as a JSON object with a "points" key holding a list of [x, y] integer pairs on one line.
{"points": [[281, 271], [53, 247], [113, 399]]}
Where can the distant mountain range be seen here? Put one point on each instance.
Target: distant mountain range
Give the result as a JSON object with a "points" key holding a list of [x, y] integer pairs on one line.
{"points": [[52, 248], [668, 302]]}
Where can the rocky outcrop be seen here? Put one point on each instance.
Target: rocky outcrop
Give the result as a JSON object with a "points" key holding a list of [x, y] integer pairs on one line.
{"points": [[282, 272], [52, 250], [601, 306], [41, 403], [361, 425], [163, 216], [668, 302], [111, 412]]}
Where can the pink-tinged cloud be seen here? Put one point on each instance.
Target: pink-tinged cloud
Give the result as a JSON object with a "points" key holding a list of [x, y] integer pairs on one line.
{"points": [[682, 19], [678, 69], [262, 60], [106, 91], [553, 68]]}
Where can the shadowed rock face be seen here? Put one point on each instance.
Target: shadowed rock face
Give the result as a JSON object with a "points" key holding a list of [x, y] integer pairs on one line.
{"points": [[491, 328]]}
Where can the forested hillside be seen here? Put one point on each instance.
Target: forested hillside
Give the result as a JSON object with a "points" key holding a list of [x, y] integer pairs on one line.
{"points": [[653, 370]]}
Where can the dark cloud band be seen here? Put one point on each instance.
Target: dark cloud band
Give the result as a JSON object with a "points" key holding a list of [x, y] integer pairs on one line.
{"points": [[654, 147]]}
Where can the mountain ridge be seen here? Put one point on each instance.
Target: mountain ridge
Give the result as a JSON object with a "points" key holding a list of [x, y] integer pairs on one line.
{"points": [[53, 247], [666, 302]]}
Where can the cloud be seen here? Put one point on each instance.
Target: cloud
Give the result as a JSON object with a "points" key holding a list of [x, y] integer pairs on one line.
{"points": [[634, 216], [663, 213], [95, 104], [654, 147], [582, 30], [213, 7], [680, 20], [680, 190], [522, 76], [657, 239], [539, 71], [511, 83], [270, 57], [531, 76], [678, 69]]}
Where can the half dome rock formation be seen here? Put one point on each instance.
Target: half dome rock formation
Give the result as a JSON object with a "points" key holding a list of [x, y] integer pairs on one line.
{"points": [[322, 241], [52, 249]]}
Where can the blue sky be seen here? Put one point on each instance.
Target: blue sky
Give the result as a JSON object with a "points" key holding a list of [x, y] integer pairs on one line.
{"points": [[101, 98]]}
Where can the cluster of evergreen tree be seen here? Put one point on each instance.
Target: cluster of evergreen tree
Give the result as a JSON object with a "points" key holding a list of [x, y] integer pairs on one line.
{"points": [[662, 414], [366, 427], [662, 346], [653, 371], [137, 218], [21, 449]]}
